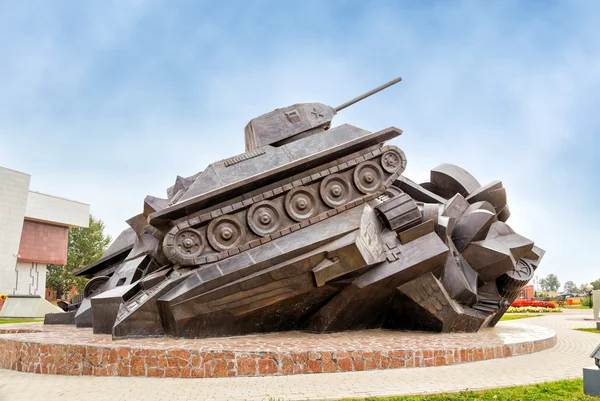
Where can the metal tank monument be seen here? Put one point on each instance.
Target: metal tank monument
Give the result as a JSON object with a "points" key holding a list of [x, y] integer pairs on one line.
{"points": [[313, 228]]}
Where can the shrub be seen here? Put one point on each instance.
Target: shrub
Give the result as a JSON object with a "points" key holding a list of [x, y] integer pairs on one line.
{"points": [[532, 309], [536, 304]]}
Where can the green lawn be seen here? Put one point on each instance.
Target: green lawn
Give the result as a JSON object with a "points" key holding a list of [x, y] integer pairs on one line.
{"points": [[562, 390], [5, 321], [509, 316], [590, 330], [576, 307]]}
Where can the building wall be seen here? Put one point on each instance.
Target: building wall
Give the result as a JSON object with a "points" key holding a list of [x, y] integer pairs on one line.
{"points": [[529, 292], [14, 190], [52, 296], [30, 279], [55, 210], [43, 243], [33, 233]]}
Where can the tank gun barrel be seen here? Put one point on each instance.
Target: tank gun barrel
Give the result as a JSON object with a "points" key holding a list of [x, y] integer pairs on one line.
{"points": [[367, 94]]}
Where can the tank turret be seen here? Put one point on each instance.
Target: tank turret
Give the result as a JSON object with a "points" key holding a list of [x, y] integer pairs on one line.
{"points": [[291, 123]]}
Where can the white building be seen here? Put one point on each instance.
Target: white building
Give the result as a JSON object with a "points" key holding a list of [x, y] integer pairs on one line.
{"points": [[33, 233]]}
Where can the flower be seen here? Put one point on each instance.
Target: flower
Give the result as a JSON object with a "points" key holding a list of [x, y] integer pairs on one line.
{"points": [[538, 304]]}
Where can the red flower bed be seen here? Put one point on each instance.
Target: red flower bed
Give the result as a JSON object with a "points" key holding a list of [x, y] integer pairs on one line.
{"points": [[520, 303]]}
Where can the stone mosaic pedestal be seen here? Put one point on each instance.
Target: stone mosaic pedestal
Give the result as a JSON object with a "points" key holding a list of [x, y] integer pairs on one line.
{"points": [[59, 349]]}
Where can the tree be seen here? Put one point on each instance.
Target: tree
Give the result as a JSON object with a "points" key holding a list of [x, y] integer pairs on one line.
{"points": [[571, 287], [596, 284], [582, 288], [86, 245], [550, 283]]}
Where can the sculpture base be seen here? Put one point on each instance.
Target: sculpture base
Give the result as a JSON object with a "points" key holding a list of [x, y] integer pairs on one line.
{"points": [[60, 318], [27, 306], [591, 381], [65, 350]]}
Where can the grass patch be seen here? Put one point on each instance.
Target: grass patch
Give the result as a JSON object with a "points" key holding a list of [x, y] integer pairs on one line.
{"points": [[576, 307], [516, 317], [562, 390], [589, 330], [5, 321]]}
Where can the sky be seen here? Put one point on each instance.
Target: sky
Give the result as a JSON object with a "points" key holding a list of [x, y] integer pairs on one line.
{"points": [[107, 102]]}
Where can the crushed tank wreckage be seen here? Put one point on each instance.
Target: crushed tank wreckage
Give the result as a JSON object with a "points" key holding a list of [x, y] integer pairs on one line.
{"points": [[313, 228]]}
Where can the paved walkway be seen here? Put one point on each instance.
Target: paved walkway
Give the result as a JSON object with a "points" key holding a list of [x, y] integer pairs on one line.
{"points": [[565, 360]]}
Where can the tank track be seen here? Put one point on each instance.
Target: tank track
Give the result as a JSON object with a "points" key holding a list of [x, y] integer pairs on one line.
{"points": [[511, 283], [275, 213]]}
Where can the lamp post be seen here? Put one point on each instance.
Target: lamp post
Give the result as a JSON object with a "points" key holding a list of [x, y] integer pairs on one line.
{"points": [[589, 289]]}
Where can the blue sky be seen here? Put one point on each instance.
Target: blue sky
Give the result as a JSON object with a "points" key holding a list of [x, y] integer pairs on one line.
{"points": [[106, 102]]}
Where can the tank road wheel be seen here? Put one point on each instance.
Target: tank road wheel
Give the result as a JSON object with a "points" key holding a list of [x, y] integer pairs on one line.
{"points": [[301, 203], [189, 243], [335, 190], [94, 286], [225, 233], [264, 218], [184, 246], [368, 177], [393, 160], [510, 283], [522, 271]]}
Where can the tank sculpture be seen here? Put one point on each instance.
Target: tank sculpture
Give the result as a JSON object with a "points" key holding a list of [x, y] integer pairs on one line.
{"points": [[313, 228]]}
